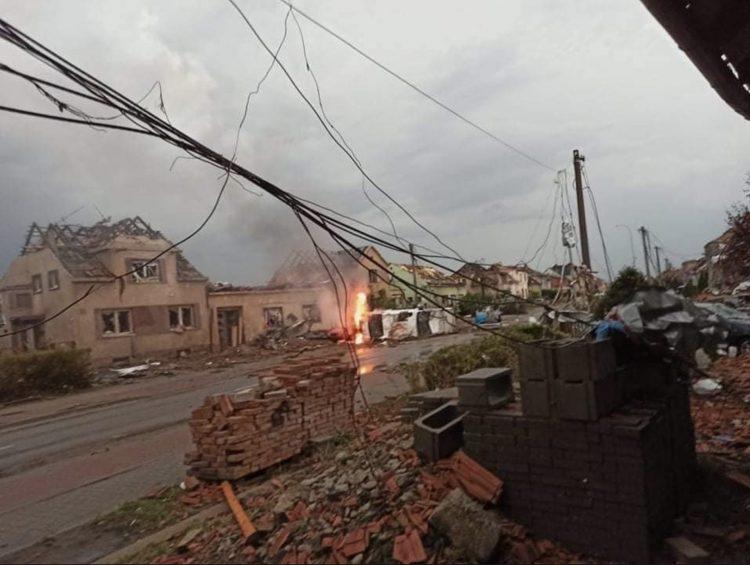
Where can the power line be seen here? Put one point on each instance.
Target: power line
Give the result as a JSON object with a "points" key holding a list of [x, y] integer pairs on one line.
{"points": [[417, 89], [598, 223], [152, 125], [333, 137]]}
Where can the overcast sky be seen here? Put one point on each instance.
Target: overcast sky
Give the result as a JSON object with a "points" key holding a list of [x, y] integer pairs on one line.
{"points": [[662, 149]]}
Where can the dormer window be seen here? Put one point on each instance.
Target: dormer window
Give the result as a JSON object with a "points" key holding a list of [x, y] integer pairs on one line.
{"points": [[143, 271]]}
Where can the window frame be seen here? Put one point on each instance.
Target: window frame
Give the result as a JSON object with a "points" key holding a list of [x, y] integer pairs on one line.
{"points": [[180, 309], [314, 309], [373, 276], [138, 265], [17, 302], [116, 312], [37, 289], [56, 286], [267, 310]]}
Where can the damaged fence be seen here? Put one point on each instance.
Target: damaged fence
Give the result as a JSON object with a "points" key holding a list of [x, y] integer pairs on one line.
{"points": [[249, 430]]}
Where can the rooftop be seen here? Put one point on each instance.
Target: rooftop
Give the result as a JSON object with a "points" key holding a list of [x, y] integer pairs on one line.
{"points": [[77, 246]]}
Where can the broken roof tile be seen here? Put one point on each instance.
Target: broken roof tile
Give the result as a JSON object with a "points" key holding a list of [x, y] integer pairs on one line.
{"points": [[408, 548]]}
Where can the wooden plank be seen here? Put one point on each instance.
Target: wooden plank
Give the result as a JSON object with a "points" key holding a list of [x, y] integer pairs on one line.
{"points": [[247, 527]]}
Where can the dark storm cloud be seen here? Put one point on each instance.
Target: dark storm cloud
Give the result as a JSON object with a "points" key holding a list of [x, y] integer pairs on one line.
{"points": [[662, 149]]}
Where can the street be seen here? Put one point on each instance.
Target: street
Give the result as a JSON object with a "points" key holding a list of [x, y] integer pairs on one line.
{"points": [[67, 460]]}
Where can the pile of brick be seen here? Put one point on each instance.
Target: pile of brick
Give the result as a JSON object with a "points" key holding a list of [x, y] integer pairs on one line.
{"points": [[240, 433]]}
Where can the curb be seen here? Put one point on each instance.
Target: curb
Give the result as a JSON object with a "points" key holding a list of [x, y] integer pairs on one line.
{"points": [[163, 535]]}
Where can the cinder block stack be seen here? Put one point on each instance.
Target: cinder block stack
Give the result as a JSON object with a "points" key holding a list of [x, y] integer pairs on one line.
{"points": [[249, 430], [569, 379], [600, 478]]}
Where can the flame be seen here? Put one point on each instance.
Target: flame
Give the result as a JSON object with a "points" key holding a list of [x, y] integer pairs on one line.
{"points": [[360, 314]]}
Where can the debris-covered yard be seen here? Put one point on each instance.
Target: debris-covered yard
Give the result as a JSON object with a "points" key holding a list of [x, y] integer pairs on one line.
{"points": [[362, 500], [366, 497]]}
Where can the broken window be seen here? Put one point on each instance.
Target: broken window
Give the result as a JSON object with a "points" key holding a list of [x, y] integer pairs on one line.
{"points": [[53, 280], [273, 317], [181, 317], [374, 275], [116, 322], [143, 271], [311, 312], [36, 284], [23, 300]]}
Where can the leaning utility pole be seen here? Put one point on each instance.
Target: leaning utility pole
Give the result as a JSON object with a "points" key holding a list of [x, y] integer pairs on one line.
{"points": [[646, 258], [577, 159], [658, 260], [414, 272]]}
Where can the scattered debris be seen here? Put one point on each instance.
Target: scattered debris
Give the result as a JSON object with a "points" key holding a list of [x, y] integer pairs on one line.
{"points": [[477, 481], [739, 478], [408, 548], [707, 387], [686, 552], [131, 371]]}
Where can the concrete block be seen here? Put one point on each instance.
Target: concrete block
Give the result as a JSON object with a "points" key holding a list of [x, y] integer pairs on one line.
{"points": [[571, 400], [535, 398], [470, 528], [536, 362], [439, 433], [485, 388]]}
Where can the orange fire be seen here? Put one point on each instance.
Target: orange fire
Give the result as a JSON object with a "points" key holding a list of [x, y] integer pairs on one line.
{"points": [[360, 315]]}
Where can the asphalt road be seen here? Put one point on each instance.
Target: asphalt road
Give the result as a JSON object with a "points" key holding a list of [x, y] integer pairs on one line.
{"points": [[65, 461]]}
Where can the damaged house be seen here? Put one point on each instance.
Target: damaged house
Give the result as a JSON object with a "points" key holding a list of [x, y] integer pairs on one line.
{"points": [[442, 288], [484, 279], [160, 307], [299, 291]]}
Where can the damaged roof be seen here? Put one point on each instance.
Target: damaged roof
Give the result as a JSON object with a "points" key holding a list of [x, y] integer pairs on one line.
{"points": [[77, 247], [713, 34], [303, 269], [431, 275]]}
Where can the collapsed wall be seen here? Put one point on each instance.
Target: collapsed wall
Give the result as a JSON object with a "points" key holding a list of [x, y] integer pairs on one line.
{"points": [[240, 433], [602, 473]]}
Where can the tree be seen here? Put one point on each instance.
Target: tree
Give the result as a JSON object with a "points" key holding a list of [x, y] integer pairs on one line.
{"points": [[735, 257], [628, 281]]}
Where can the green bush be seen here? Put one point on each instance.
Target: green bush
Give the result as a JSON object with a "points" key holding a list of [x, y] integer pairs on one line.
{"points": [[549, 293], [43, 372], [442, 367], [628, 281]]}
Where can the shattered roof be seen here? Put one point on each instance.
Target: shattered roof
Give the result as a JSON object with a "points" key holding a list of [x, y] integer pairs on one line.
{"points": [[304, 269], [431, 275], [77, 246]]}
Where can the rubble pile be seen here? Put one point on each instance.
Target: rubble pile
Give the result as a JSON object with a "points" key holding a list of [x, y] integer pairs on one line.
{"points": [[371, 501], [249, 430], [722, 421]]}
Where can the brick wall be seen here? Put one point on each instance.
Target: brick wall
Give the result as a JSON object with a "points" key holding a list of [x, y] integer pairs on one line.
{"points": [[610, 486], [249, 430]]}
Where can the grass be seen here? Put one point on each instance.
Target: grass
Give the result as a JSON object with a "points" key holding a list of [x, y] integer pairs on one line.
{"points": [[145, 514]]}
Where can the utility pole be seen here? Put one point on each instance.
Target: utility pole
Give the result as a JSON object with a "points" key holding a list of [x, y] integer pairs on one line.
{"points": [[577, 159], [414, 272], [646, 258], [658, 260]]}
